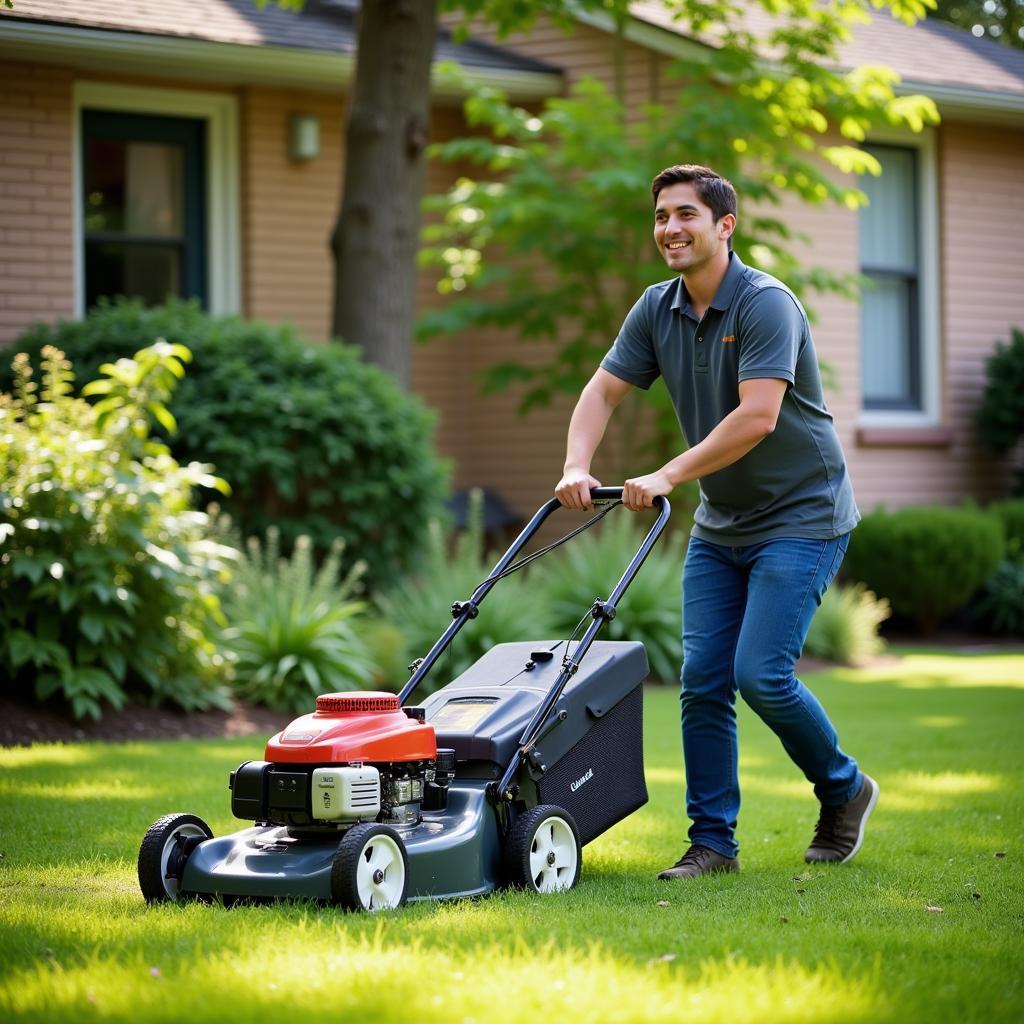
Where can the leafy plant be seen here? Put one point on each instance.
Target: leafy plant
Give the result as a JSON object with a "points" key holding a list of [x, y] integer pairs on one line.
{"points": [[291, 628], [845, 626], [650, 611], [1011, 514], [107, 573], [999, 606], [926, 560], [1000, 417], [453, 568], [563, 194], [312, 440]]}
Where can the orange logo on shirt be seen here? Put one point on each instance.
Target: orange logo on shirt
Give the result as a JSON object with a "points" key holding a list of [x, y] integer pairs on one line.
{"points": [[728, 338]]}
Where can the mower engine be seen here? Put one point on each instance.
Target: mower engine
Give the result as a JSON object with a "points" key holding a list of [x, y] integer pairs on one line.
{"points": [[360, 757]]}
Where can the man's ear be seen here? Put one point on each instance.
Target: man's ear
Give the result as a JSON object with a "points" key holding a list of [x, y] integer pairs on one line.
{"points": [[726, 226]]}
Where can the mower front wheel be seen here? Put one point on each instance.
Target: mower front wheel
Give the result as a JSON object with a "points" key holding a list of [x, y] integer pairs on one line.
{"points": [[543, 852], [370, 869], [164, 851]]}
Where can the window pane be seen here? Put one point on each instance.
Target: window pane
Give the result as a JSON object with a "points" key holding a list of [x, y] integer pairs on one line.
{"points": [[886, 366], [134, 187], [888, 225], [148, 272]]}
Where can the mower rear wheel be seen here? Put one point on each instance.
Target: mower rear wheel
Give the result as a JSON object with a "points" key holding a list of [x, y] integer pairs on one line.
{"points": [[370, 869], [543, 852], [164, 851]]}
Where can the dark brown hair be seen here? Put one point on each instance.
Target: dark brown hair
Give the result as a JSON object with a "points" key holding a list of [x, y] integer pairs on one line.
{"points": [[712, 189]]}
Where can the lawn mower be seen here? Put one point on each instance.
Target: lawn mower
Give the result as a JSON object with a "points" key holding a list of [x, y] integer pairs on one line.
{"points": [[497, 779]]}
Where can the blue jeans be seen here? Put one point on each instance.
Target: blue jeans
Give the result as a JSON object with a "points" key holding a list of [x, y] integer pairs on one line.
{"points": [[746, 612]]}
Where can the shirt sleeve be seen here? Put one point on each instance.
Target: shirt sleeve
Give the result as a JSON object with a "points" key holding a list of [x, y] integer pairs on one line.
{"points": [[632, 357], [770, 330]]}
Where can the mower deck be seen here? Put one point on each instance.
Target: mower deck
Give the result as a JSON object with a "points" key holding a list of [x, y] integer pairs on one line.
{"points": [[454, 853]]}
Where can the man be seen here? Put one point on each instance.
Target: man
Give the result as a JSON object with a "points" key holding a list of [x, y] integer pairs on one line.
{"points": [[776, 509]]}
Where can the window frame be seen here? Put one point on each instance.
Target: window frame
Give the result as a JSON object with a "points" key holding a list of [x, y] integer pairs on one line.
{"points": [[925, 314], [219, 112]]}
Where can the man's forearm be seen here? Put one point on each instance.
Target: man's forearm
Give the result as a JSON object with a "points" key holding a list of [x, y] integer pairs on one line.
{"points": [[586, 429], [740, 432]]}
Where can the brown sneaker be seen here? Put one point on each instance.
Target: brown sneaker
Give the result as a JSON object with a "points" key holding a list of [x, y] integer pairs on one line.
{"points": [[697, 861], [840, 828]]}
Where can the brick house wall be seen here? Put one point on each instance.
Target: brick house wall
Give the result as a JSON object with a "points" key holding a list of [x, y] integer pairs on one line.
{"points": [[36, 247]]}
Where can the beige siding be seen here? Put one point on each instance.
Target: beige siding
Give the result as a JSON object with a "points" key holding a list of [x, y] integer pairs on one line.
{"points": [[288, 209], [36, 270]]}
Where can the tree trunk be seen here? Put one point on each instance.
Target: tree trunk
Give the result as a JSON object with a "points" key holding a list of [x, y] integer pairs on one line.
{"points": [[377, 234]]}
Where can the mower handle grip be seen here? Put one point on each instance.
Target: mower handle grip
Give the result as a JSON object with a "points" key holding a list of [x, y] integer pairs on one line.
{"points": [[615, 494]]}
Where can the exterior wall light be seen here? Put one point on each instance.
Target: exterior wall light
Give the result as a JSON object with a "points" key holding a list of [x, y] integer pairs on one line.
{"points": [[304, 137]]}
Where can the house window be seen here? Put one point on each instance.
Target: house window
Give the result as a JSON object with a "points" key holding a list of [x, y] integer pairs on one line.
{"points": [[143, 206], [890, 258]]}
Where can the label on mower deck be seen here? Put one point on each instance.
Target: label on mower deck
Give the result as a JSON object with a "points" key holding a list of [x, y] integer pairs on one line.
{"points": [[459, 715]]}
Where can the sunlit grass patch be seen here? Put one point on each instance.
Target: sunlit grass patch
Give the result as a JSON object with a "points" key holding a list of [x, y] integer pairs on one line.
{"points": [[925, 924], [925, 669]]}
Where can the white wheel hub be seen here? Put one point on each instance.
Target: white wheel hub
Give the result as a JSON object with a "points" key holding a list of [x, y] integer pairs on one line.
{"points": [[553, 856], [188, 831], [380, 876]]}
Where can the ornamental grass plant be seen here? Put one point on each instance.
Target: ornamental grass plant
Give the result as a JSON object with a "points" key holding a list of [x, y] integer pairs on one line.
{"points": [[291, 629]]}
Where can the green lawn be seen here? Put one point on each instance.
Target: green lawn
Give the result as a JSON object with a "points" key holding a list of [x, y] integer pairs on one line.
{"points": [[926, 924]]}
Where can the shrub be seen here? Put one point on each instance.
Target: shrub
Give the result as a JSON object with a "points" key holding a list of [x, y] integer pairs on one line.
{"points": [[650, 611], [290, 629], [999, 606], [420, 606], [1000, 417], [107, 574], [311, 439], [845, 627], [926, 560], [1011, 514]]}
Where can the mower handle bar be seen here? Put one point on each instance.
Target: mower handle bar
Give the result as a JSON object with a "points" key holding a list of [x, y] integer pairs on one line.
{"points": [[602, 611]]}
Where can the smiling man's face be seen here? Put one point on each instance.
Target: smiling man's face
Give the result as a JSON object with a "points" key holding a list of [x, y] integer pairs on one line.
{"points": [[685, 231]]}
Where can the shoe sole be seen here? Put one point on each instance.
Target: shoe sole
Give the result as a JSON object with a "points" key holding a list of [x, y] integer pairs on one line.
{"points": [[875, 790]]}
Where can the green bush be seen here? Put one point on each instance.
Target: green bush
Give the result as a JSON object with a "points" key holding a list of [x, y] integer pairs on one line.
{"points": [[1000, 417], [999, 605], [420, 606], [1011, 514], [650, 611], [107, 573], [926, 561], [290, 628], [310, 438], [845, 627]]}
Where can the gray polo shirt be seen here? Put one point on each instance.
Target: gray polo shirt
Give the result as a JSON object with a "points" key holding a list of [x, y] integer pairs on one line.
{"points": [[794, 483]]}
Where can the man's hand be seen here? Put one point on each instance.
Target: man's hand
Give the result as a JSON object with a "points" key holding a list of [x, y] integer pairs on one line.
{"points": [[573, 490], [639, 493]]}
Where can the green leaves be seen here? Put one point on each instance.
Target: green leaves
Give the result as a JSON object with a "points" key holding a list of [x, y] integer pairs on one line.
{"points": [[561, 197], [104, 576], [308, 436]]}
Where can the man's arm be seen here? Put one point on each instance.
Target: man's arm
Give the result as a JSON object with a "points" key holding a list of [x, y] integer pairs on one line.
{"points": [[602, 393], [742, 430]]}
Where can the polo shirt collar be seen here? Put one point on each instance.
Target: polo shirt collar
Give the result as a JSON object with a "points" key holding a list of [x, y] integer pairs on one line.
{"points": [[726, 290]]}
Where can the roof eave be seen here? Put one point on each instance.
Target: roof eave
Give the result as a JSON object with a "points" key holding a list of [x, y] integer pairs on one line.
{"points": [[177, 57], [956, 101], [952, 100]]}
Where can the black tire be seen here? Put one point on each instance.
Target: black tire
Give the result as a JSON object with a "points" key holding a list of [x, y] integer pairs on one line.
{"points": [[164, 851], [370, 870], [543, 852]]}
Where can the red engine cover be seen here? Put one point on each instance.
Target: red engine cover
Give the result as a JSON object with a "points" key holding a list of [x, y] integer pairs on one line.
{"points": [[368, 727]]}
